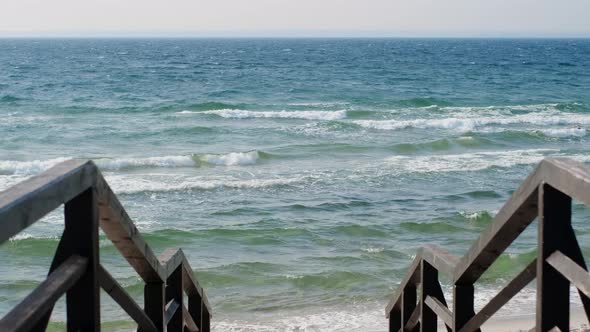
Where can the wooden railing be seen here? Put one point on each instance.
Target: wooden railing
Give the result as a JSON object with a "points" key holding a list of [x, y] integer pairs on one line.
{"points": [[76, 270], [546, 194]]}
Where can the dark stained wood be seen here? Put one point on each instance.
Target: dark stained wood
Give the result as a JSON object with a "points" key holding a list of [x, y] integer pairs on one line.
{"points": [[154, 304], [89, 202], [568, 176], [412, 277], [206, 327], [395, 320], [578, 276], [83, 299], [408, 303], [25, 316], [508, 292], [546, 193], [115, 291], [553, 298], [413, 320], [463, 306], [441, 310], [28, 201], [428, 287], [174, 292], [171, 259], [190, 324], [172, 309]]}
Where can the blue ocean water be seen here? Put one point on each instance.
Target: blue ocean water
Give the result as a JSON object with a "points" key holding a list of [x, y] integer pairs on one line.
{"points": [[299, 175]]}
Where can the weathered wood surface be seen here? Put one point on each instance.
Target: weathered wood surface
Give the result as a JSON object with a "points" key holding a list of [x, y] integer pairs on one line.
{"points": [[441, 310], [546, 193], [90, 203], [189, 322], [30, 200], [115, 291], [578, 276], [120, 229], [507, 293], [26, 314]]}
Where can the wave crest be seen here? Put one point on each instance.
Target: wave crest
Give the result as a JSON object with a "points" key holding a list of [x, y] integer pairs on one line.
{"points": [[231, 159], [244, 114]]}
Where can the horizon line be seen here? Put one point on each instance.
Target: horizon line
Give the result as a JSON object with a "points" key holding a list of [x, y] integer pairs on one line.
{"points": [[292, 34]]}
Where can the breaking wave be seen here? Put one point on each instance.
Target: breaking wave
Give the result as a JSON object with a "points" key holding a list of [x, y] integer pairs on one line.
{"points": [[244, 114]]}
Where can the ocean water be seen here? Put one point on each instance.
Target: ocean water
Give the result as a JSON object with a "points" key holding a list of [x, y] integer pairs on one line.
{"points": [[299, 176]]}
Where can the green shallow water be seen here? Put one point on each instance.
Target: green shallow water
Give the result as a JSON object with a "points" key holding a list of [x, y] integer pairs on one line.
{"points": [[299, 176]]}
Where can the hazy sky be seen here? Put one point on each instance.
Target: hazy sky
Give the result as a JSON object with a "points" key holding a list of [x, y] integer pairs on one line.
{"points": [[296, 17]]}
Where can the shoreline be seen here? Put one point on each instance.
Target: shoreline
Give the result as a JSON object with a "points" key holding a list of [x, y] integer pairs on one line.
{"points": [[521, 323]]}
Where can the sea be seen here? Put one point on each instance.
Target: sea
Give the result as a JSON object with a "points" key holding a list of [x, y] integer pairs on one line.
{"points": [[300, 176]]}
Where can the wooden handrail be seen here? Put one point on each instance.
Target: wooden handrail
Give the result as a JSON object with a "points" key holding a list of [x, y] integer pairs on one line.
{"points": [[545, 194], [27, 313], [90, 203]]}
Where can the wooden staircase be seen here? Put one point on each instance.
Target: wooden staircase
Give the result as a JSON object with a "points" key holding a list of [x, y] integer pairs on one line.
{"points": [[546, 195], [76, 271]]}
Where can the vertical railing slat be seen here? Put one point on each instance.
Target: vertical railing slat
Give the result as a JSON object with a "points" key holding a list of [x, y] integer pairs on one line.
{"points": [[553, 299], [83, 299]]}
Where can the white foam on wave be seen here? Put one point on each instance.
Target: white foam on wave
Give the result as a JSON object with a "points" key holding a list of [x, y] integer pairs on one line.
{"points": [[22, 169], [128, 184], [165, 161], [231, 159], [565, 132], [367, 318], [472, 122], [244, 114], [25, 168], [474, 161]]}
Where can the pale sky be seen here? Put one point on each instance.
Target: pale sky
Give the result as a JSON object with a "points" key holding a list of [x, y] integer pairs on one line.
{"points": [[395, 18]]}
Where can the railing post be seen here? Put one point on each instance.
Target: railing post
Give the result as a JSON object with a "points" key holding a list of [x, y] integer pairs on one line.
{"points": [[395, 320], [198, 311], [462, 305], [81, 236], [408, 303], [429, 288], [154, 303], [206, 320], [555, 213], [174, 292]]}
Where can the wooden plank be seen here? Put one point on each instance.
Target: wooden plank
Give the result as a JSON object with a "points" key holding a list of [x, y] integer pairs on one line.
{"points": [[26, 202], [188, 320], [412, 276], [566, 175], [553, 296], [408, 304], [26, 314], [516, 214], [171, 310], [83, 299], [440, 259], [115, 291], [395, 320], [441, 310], [154, 294], [507, 293], [120, 229], [413, 320], [578, 276], [192, 286], [462, 306], [171, 259], [428, 287], [175, 293]]}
